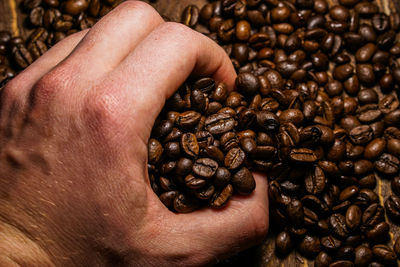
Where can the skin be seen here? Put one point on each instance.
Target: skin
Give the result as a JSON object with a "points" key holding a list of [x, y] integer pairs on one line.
{"points": [[74, 128]]}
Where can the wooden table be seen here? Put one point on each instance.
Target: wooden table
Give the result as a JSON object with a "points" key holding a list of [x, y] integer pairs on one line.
{"points": [[12, 19]]}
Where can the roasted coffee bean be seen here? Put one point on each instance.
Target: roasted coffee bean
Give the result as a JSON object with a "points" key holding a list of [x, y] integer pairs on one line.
{"points": [[365, 53], [205, 167], [343, 72], [392, 207], [384, 254], [193, 182], [167, 198], [315, 181], [190, 16], [234, 158], [379, 233], [243, 181], [374, 148], [184, 204], [183, 166], [295, 212], [219, 199], [283, 243], [155, 151], [373, 215], [189, 144], [392, 118], [387, 164], [337, 224], [188, 119], [330, 244], [309, 246], [353, 217], [219, 123], [247, 84], [361, 134], [363, 256]]}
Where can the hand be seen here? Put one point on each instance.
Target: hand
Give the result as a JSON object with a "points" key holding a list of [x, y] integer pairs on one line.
{"points": [[74, 128]]}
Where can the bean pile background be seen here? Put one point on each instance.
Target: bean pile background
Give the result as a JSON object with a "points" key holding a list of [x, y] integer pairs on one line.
{"points": [[285, 67]]}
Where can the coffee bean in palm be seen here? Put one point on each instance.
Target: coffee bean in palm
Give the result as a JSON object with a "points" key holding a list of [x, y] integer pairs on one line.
{"points": [[219, 199], [184, 204], [243, 181]]}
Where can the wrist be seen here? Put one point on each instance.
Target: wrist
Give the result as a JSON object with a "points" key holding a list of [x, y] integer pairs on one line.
{"points": [[16, 248]]}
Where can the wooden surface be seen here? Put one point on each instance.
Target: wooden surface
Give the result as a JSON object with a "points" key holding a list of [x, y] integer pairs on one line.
{"points": [[12, 19]]}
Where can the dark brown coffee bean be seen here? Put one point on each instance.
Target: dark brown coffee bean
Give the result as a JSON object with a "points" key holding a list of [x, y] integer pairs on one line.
{"points": [[234, 158], [267, 121], [188, 119], [184, 204], [295, 212], [283, 243], [379, 233], [323, 260], [363, 256], [369, 113], [190, 15], [22, 56], [353, 217], [337, 224], [167, 198], [189, 144], [330, 244], [365, 53], [363, 167], [247, 84], [339, 13], [37, 48], [388, 104], [343, 72], [222, 177], [205, 167], [302, 155], [395, 185], [384, 254], [392, 207], [183, 166], [193, 182], [341, 263], [380, 22], [219, 199], [392, 118], [243, 30], [309, 246], [243, 181], [373, 215], [155, 151], [375, 148], [387, 164], [315, 181], [361, 134], [74, 7], [392, 133], [219, 123]]}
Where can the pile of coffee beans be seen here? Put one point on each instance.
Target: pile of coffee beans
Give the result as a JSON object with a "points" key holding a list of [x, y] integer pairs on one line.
{"points": [[330, 76], [200, 147]]}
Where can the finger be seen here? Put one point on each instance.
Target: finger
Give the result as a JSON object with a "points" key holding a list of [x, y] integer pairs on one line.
{"points": [[112, 38], [216, 234], [15, 95], [160, 64]]}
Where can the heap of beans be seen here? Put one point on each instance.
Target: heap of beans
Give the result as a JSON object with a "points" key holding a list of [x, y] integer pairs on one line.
{"points": [[330, 76]]}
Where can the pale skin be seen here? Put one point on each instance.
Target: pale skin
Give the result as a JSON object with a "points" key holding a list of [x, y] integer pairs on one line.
{"points": [[74, 128]]}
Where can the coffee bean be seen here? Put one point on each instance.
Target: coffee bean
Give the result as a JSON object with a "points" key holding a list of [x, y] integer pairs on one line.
{"points": [[283, 243], [190, 16], [341, 263], [220, 199], [363, 256], [353, 217], [330, 244], [387, 164], [384, 254], [184, 204], [337, 224], [243, 181], [392, 118], [205, 167], [247, 84], [396, 247], [361, 134], [392, 207], [379, 233], [374, 148], [309, 246], [219, 123], [373, 215], [365, 53]]}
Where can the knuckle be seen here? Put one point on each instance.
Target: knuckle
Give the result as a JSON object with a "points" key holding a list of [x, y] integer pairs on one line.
{"points": [[102, 112], [260, 222], [44, 90], [141, 9], [10, 90], [176, 30]]}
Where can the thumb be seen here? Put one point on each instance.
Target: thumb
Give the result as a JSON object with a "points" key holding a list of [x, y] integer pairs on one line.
{"points": [[216, 234]]}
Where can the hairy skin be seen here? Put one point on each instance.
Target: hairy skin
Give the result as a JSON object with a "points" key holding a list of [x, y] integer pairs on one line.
{"points": [[74, 127]]}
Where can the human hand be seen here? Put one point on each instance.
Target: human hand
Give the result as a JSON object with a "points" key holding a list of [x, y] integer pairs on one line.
{"points": [[74, 128]]}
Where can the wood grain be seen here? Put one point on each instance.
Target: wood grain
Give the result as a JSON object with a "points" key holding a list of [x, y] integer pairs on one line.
{"points": [[12, 19]]}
